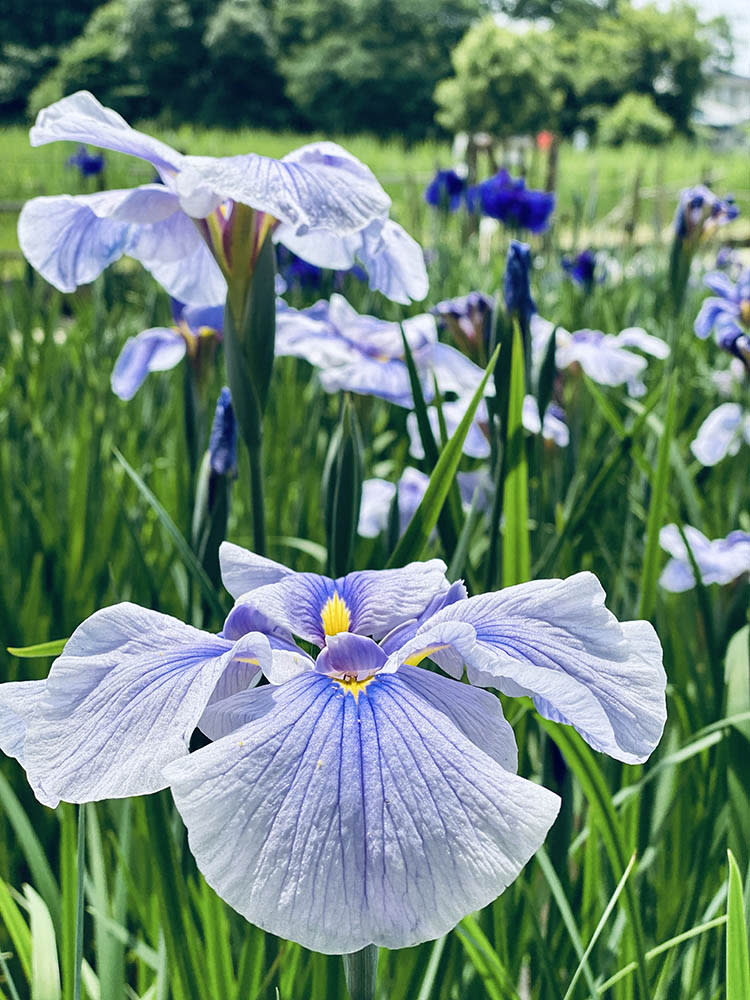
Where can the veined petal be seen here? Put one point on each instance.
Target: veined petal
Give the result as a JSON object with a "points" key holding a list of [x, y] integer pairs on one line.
{"points": [[81, 118], [155, 350], [242, 570], [122, 700], [370, 602], [556, 641], [319, 186], [71, 239], [340, 822], [719, 434], [351, 654], [19, 701]]}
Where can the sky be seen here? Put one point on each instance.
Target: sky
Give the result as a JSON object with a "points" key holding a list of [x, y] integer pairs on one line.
{"points": [[737, 13]]}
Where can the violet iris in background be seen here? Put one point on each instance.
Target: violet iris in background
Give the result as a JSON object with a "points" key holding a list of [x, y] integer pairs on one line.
{"points": [[88, 164], [509, 200], [467, 319], [581, 269], [445, 190], [728, 313], [516, 287]]}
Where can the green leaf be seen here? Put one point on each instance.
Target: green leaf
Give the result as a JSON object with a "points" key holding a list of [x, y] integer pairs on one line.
{"points": [[189, 558], [581, 761], [738, 957], [45, 971], [361, 971], [483, 957], [35, 854], [547, 375], [16, 928], [516, 553], [657, 507], [52, 648], [342, 490], [450, 513], [425, 516]]}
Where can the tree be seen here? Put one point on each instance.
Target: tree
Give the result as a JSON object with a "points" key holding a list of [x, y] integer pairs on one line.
{"points": [[504, 83], [369, 65]]}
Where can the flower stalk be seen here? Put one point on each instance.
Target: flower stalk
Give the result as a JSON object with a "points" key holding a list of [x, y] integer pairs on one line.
{"points": [[361, 971]]}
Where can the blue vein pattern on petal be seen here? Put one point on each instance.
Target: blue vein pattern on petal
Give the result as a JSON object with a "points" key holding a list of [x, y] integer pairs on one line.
{"points": [[556, 641], [122, 700], [339, 823], [81, 118], [317, 186], [377, 600]]}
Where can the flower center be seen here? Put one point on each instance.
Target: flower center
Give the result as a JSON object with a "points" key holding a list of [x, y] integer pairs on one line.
{"points": [[335, 615], [350, 685], [745, 311]]}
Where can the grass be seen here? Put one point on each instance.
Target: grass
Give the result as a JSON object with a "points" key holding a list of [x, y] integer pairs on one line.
{"points": [[629, 897]]}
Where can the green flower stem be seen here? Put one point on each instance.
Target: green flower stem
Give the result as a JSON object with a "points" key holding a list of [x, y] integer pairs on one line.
{"points": [[361, 972]]}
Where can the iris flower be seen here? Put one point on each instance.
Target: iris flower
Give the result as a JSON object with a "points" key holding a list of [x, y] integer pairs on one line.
{"points": [[365, 355], [605, 358], [160, 348], [87, 164], [700, 212], [477, 445], [378, 496], [509, 200], [581, 269], [356, 798], [721, 433], [728, 313], [719, 561], [467, 319], [319, 201], [445, 190], [297, 273]]}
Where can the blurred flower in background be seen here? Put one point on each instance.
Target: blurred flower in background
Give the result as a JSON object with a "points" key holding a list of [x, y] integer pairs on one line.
{"points": [[721, 433], [719, 561], [196, 331], [446, 190], [700, 212], [467, 319], [509, 200], [727, 312], [86, 163], [582, 269]]}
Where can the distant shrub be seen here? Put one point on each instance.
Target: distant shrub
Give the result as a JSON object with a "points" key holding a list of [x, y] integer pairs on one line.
{"points": [[635, 118]]}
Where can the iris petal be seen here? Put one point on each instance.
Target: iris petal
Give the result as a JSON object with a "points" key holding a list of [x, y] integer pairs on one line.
{"points": [[19, 701], [122, 700], [81, 118], [376, 601], [242, 570], [346, 822], [155, 350], [556, 641], [718, 435]]}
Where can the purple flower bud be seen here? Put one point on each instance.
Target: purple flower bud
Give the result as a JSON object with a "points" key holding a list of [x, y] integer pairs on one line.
{"points": [[223, 444], [518, 300]]}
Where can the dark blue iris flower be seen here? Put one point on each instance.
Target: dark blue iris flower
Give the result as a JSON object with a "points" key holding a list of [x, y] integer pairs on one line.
{"points": [[87, 164], [581, 269], [700, 211], [509, 200], [445, 190], [298, 273], [222, 446]]}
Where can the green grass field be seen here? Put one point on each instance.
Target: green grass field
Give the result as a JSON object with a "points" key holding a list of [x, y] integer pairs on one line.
{"points": [[77, 533]]}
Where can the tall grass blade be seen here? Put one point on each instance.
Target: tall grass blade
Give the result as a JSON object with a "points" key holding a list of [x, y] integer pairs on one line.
{"points": [[52, 648], [45, 969], [657, 507], [738, 958], [516, 559], [189, 558], [425, 517]]}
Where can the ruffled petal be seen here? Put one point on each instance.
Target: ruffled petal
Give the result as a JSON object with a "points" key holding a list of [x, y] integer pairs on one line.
{"points": [[122, 701], [387, 379], [71, 239], [710, 311], [718, 435], [370, 602], [720, 283], [556, 641], [636, 336], [340, 822], [81, 118], [19, 702], [319, 186], [242, 570], [155, 350]]}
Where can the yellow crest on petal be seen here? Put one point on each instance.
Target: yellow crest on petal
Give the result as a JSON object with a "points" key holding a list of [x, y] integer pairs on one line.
{"points": [[335, 615]]}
